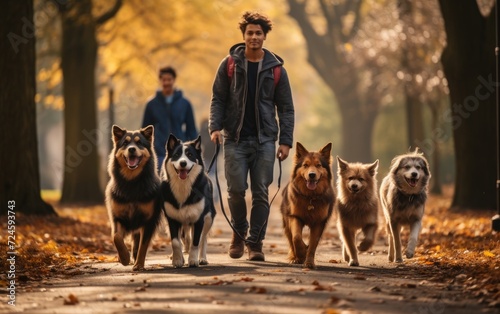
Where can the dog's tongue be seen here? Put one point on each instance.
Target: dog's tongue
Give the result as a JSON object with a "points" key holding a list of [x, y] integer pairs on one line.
{"points": [[311, 185], [133, 161], [412, 182], [183, 174]]}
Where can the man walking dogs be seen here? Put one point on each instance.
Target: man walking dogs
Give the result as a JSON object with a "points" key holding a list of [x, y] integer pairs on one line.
{"points": [[250, 87]]}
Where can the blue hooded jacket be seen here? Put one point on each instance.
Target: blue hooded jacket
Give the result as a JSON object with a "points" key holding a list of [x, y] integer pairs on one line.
{"points": [[168, 119]]}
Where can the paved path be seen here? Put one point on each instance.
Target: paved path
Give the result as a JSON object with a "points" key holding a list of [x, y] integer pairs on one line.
{"points": [[241, 286]]}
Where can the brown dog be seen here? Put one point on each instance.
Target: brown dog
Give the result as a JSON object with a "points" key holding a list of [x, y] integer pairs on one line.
{"points": [[357, 204], [307, 201]]}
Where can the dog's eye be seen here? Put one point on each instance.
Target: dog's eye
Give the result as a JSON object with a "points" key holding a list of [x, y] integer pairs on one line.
{"points": [[305, 165], [418, 167], [189, 154], [318, 165], [407, 167]]}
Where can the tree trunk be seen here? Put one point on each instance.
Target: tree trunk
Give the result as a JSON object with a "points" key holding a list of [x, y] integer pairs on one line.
{"points": [[414, 115], [20, 178], [325, 54], [469, 64], [78, 62], [436, 151], [357, 119]]}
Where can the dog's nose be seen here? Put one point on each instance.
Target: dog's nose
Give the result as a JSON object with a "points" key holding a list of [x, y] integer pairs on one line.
{"points": [[131, 150], [312, 175], [354, 186], [183, 163], [414, 174]]}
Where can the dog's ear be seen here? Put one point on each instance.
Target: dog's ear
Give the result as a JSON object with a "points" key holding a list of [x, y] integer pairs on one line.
{"points": [[171, 142], [372, 169], [300, 151], [342, 164], [148, 132], [117, 133], [197, 143], [396, 161], [326, 152], [426, 167]]}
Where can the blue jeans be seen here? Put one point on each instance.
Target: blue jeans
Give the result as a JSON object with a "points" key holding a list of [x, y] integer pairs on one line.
{"points": [[160, 159], [241, 159]]}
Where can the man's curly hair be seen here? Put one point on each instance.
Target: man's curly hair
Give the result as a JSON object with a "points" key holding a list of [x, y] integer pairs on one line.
{"points": [[255, 18]]}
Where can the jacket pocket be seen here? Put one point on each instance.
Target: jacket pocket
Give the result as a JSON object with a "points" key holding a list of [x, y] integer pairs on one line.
{"points": [[267, 88]]}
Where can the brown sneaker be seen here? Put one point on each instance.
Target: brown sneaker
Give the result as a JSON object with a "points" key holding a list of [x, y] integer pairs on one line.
{"points": [[237, 246], [255, 252]]}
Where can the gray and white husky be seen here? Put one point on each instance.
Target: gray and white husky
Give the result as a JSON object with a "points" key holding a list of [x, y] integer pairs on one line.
{"points": [[403, 194]]}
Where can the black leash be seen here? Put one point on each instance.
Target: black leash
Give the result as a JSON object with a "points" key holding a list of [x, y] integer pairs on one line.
{"points": [[214, 159]]}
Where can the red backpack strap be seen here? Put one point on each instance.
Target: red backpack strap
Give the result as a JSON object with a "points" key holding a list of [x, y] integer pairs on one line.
{"points": [[230, 70], [276, 74], [230, 67]]}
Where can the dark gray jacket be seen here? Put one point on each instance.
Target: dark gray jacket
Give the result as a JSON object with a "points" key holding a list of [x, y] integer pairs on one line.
{"points": [[229, 97]]}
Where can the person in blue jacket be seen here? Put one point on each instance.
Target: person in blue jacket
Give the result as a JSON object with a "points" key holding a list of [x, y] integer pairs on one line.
{"points": [[169, 112]]}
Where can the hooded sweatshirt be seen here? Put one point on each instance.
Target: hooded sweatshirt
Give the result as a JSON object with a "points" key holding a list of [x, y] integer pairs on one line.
{"points": [[169, 118]]}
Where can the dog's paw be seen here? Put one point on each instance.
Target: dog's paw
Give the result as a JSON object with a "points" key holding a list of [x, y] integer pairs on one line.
{"points": [[409, 254], [193, 263], [138, 267], [353, 263], [399, 260], [297, 261], [390, 258], [309, 264], [365, 245], [178, 262], [203, 261]]}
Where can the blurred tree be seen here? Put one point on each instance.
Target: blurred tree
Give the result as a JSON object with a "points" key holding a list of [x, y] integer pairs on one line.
{"points": [[469, 64], [328, 43], [78, 63], [411, 67], [20, 179], [422, 41]]}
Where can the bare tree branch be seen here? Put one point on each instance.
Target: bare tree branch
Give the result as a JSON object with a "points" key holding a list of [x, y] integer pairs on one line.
{"points": [[110, 13]]}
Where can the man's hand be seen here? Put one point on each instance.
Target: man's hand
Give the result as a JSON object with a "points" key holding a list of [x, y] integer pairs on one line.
{"points": [[283, 151], [216, 137]]}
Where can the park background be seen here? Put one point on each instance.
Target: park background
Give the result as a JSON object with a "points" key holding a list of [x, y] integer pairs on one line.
{"points": [[374, 77]]}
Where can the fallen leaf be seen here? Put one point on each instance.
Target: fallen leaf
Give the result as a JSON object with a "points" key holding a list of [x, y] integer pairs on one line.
{"points": [[488, 254], [71, 300], [257, 290]]}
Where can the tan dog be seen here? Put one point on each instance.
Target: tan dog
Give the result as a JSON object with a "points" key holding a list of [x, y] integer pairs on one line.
{"points": [[403, 194], [357, 205], [307, 201]]}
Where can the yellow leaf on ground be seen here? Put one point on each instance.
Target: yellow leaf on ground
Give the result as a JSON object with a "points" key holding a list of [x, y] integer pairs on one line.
{"points": [[488, 254]]}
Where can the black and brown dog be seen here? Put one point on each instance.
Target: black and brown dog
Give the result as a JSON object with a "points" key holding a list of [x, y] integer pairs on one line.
{"points": [[132, 193]]}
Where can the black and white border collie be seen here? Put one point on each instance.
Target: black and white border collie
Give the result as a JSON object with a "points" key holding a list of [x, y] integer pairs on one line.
{"points": [[188, 200]]}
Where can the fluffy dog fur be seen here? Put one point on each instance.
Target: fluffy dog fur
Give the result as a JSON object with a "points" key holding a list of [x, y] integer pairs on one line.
{"points": [[308, 200], [188, 200], [403, 194], [132, 192], [357, 204]]}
